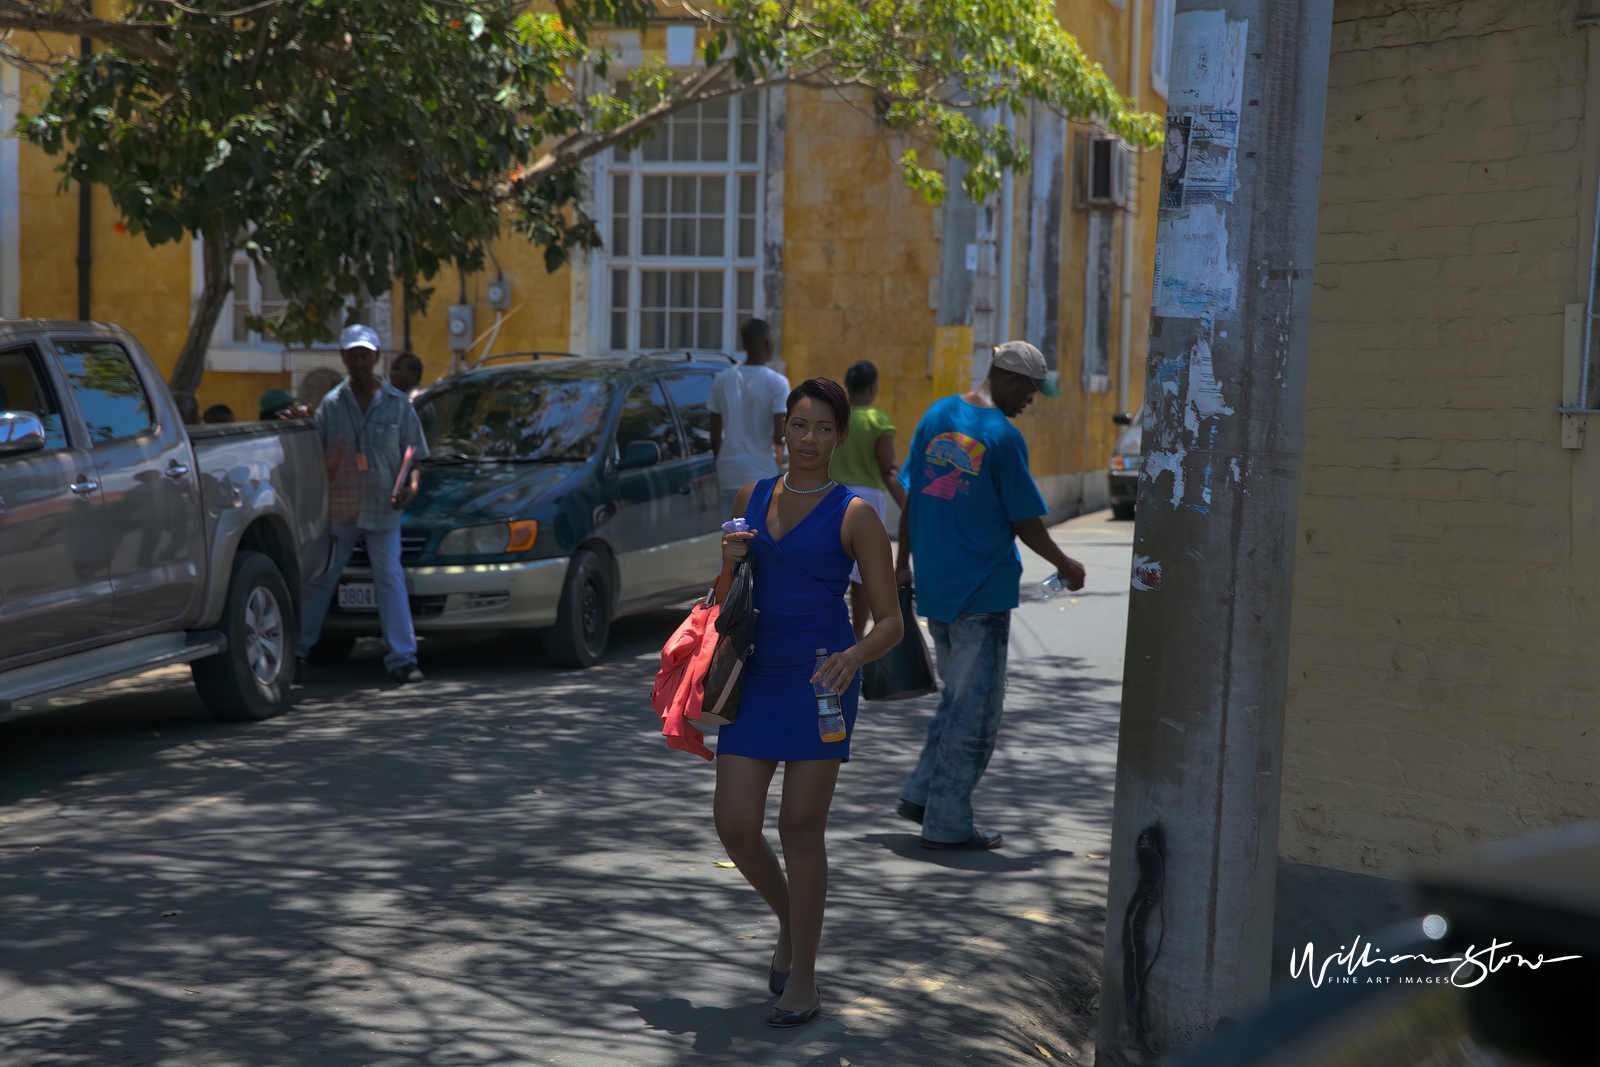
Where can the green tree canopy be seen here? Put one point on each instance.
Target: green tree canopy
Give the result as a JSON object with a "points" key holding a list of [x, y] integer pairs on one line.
{"points": [[350, 144]]}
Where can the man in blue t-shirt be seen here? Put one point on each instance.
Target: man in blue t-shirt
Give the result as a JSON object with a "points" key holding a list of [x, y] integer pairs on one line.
{"points": [[971, 497]]}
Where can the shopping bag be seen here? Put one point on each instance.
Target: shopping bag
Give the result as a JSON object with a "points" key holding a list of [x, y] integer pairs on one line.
{"points": [[906, 670], [736, 639]]}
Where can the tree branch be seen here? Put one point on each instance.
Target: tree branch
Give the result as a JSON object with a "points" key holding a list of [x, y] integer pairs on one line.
{"points": [[134, 37]]}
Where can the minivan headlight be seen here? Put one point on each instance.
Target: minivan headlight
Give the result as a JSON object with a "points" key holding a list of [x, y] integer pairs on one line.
{"points": [[490, 539]]}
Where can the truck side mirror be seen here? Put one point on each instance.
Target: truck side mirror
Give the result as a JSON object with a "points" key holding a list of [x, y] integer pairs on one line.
{"points": [[640, 454], [1122, 418], [20, 431]]}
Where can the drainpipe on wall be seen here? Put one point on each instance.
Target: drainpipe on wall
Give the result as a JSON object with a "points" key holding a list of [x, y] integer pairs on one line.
{"points": [[1129, 214], [85, 46], [1007, 206]]}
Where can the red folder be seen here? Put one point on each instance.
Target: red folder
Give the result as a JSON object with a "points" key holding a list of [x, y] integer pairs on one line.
{"points": [[405, 470]]}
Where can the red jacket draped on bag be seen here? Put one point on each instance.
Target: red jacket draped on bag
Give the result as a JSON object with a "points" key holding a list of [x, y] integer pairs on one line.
{"points": [[680, 686]]}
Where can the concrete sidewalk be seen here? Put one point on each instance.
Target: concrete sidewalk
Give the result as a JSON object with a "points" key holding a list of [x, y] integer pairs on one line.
{"points": [[507, 866]]}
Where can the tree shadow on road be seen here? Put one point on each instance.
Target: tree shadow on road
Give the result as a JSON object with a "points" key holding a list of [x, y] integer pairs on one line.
{"points": [[500, 866]]}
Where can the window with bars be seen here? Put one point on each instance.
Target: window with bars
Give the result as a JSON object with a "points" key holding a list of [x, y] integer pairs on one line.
{"points": [[683, 230]]}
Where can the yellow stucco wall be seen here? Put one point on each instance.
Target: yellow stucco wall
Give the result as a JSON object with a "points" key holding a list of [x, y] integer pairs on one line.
{"points": [[142, 288], [860, 250], [1444, 682]]}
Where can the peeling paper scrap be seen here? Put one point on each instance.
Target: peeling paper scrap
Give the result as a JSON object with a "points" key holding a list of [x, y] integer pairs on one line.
{"points": [[1146, 574], [1193, 278]]}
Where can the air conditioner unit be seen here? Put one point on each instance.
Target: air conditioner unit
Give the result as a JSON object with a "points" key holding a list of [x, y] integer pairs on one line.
{"points": [[1105, 178]]}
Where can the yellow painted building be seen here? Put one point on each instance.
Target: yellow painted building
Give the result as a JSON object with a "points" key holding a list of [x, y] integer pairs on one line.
{"points": [[1444, 683], [787, 207]]}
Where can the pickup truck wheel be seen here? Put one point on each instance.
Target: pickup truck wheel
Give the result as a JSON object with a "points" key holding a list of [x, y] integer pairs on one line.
{"points": [[332, 647], [583, 619], [251, 679]]}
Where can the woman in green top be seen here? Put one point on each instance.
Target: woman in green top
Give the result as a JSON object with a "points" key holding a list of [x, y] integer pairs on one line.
{"points": [[864, 463]]}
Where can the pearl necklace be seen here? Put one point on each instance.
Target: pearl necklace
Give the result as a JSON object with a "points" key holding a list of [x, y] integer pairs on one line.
{"points": [[803, 492]]}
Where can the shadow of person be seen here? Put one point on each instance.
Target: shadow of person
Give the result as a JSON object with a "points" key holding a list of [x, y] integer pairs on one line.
{"points": [[909, 847], [714, 1029]]}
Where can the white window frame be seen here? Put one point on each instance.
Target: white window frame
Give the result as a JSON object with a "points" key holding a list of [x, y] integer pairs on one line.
{"points": [[262, 355], [1164, 18], [255, 339], [730, 263]]}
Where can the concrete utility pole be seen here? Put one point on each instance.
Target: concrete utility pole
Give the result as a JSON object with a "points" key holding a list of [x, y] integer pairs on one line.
{"points": [[1195, 825]]}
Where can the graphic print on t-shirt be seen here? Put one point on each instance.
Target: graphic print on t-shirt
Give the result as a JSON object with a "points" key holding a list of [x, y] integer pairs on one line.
{"points": [[954, 460]]}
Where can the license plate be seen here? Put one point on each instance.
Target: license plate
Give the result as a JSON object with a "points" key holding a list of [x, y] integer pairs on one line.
{"points": [[358, 596]]}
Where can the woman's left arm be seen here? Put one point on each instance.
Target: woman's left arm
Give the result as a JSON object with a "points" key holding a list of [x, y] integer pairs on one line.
{"points": [[864, 538]]}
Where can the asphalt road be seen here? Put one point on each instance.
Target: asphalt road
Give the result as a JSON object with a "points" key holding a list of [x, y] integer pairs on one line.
{"points": [[506, 865]]}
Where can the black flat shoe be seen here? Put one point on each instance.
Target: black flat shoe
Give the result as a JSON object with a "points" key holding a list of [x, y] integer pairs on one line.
{"points": [[908, 810], [980, 839], [782, 1019], [776, 979]]}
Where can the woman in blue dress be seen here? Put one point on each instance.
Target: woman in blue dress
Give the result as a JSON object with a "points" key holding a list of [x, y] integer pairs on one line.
{"points": [[806, 533]]}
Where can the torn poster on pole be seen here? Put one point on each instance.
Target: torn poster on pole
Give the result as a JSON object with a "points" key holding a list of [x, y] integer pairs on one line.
{"points": [[1193, 277]]}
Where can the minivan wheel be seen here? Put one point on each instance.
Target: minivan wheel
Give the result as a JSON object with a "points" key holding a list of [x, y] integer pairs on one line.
{"points": [[251, 679], [1122, 511], [583, 618]]}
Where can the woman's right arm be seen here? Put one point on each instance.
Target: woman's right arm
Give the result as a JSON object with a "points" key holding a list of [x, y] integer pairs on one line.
{"points": [[734, 549]]}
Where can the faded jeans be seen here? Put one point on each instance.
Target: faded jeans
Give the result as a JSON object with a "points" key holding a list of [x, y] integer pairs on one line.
{"points": [[394, 606], [971, 653]]}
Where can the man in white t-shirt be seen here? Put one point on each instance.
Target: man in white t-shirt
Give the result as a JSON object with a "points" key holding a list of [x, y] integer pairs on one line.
{"points": [[748, 405]]}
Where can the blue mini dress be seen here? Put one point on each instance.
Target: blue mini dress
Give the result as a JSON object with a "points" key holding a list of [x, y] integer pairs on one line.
{"points": [[800, 584]]}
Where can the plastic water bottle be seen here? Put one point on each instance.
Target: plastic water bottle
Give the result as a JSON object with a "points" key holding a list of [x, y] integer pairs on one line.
{"points": [[830, 717], [1050, 587]]}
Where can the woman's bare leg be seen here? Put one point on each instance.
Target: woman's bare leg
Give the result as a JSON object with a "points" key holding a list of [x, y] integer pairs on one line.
{"points": [[802, 827], [739, 809]]}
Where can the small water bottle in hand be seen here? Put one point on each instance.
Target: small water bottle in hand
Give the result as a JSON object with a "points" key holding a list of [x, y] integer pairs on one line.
{"points": [[830, 717], [1050, 587]]}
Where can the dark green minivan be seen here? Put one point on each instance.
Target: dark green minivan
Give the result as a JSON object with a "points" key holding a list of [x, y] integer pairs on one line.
{"points": [[561, 493]]}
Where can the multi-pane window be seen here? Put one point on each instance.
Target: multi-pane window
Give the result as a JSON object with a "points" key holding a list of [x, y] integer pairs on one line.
{"points": [[683, 231], [255, 292]]}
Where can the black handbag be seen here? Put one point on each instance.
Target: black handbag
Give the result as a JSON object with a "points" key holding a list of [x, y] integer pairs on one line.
{"points": [[736, 639], [906, 670]]}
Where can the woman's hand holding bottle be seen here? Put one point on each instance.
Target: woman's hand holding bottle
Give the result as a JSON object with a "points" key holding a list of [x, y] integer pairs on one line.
{"points": [[838, 671]]}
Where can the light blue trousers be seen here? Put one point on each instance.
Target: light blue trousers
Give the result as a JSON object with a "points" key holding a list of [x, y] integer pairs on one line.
{"points": [[971, 654], [394, 606]]}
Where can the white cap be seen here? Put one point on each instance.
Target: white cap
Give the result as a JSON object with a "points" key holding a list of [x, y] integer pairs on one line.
{"points": [[359, 336]]}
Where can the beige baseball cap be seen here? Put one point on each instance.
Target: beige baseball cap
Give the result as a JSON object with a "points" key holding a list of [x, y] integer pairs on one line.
{"points": [[1020, 357]]}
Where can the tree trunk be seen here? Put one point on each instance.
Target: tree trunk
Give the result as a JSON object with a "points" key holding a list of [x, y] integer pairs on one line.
{"points": [[217, 256]]}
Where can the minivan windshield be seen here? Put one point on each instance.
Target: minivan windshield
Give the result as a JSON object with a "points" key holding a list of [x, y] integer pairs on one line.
{"points": [[548, 418]]}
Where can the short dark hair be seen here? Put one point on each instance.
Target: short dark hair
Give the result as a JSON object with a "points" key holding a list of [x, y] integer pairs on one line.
{"points": [[218, 413], [752, 331], [861, 376], [410, 360], [828, 392]]}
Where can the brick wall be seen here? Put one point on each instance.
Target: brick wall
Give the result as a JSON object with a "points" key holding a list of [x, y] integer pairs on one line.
{"points": [[1443, 663]]}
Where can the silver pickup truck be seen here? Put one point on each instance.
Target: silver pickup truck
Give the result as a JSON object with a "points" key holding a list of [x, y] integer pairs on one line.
{"points": [[128, 542]]}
